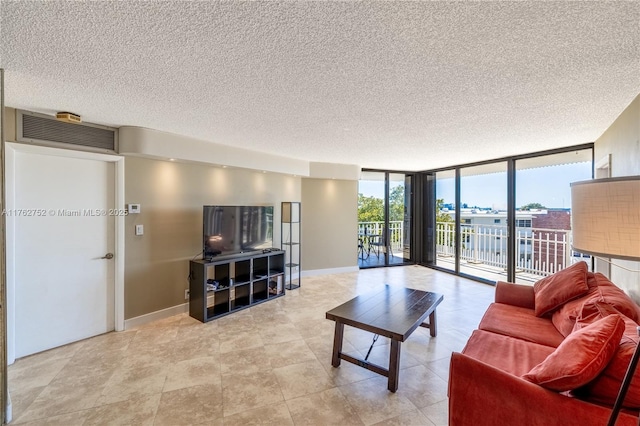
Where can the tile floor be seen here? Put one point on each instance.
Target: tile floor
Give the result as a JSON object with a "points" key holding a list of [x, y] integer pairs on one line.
{"points": [[270, 364]]}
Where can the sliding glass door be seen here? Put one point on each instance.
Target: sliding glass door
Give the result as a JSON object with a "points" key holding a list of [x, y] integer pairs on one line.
{"points": [[543, 215], [506, 220], [384, 219], [483, 221]]}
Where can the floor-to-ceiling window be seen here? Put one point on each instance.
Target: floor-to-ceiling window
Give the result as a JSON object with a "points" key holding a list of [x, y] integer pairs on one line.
{"points": [[483, 221], [543, 212], [384, 219], [507, 219]]}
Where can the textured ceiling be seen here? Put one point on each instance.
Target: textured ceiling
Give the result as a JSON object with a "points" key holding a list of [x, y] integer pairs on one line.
{"points": [[392, 85]]}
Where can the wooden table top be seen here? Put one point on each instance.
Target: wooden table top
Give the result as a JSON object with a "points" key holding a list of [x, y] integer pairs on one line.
{"points": [[390, 311]]}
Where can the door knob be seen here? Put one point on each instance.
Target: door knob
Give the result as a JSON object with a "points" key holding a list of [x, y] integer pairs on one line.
{"points": [[107, 256]]}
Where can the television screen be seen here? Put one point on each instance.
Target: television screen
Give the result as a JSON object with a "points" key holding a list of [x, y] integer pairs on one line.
{"points": [[236, 229]]}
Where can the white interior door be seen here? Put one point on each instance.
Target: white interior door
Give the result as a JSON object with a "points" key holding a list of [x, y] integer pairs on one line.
{"points": [[64, 289]]}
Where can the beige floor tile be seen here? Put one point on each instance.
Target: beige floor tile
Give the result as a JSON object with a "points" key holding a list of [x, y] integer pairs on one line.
{"points": [[230, 341], [412, 418], [347, 372], [65, 396], [422, 386], [302, 379], [380, 356], [107, 342], [194, 405], [316, 327], [138, 356], [373, 402], [437, 413], [361, 340], [193, 372], [247, 361], [236, 323], [322, 347], [72, 419], [136, 411], [26, 373], [328, 407], [153, 336], [61, 352], [127, 383], [274, 414], [92, 363], [21, 399], [424, 348], [254, 359], [246, 392], [440, 367], [287, 353], [278, 333], [195, 347]]}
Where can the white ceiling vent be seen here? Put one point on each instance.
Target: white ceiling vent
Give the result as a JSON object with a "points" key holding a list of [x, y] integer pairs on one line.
{"points": [[46, 130]]}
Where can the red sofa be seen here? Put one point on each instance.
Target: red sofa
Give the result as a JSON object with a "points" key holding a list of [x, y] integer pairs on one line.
{"points": [[490, 381]]}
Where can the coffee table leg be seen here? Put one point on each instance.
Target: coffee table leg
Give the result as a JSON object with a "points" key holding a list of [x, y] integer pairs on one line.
{"points": [[432, 323], [337, 344], [394, 365]]}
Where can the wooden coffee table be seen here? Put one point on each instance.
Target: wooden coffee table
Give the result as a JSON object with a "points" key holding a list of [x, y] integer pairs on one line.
{"points": [[390, 311]]}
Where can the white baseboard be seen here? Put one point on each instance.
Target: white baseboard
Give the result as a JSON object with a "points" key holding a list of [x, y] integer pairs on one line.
{"points": [[154, 316], [316, 272]]}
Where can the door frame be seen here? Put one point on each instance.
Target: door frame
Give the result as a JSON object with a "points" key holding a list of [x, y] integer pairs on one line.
{"points": [[10, 187]]}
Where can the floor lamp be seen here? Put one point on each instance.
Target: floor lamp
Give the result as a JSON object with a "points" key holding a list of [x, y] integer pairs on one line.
{"points": [[605, 222]]}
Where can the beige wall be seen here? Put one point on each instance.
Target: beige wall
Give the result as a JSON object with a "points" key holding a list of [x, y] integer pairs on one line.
{"points": [[10, 124], [329, 224], [622, 141], [171, 196]]}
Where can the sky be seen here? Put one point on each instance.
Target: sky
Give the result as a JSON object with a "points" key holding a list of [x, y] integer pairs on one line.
{"points": [[549, 186]]}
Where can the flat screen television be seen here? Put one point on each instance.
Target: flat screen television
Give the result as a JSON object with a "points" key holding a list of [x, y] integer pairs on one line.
{"points": [[236, 229]]}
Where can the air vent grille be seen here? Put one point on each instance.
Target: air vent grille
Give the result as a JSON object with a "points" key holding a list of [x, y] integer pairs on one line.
{"points": [[51, 130]]}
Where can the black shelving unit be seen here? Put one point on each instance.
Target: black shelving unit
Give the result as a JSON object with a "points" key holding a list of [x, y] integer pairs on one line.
{"points": [[230, 283], [291, 243]]}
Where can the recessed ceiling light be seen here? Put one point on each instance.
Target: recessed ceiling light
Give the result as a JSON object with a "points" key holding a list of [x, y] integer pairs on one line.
{"points": [[172, 159], [224, 167]]}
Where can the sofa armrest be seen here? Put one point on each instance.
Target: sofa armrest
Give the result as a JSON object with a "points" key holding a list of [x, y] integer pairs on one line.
{"points": [[482, 395], [515, 294]]}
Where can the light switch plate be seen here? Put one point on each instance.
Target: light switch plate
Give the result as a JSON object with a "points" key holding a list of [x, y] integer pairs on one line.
{"points": [[139, 229]]}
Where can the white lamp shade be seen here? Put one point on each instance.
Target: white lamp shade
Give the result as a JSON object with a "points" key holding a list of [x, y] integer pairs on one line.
{"points": [[605, 217]]}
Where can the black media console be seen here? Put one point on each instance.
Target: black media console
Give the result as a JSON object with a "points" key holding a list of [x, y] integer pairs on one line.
{"points": [[229, 283]]}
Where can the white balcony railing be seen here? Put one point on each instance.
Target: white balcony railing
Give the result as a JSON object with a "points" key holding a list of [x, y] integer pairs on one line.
{"points": [[539, 251], [396, 232]]}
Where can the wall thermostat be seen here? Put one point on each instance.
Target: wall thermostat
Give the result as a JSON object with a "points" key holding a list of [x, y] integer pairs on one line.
{"points": [[133, 208]]}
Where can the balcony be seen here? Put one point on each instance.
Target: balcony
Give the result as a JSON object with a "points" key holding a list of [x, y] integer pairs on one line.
{"points": [[371, 244], [539, 252]]}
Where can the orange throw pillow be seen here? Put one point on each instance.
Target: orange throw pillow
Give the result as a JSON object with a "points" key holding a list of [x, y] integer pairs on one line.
{"points": [[580, 357], [557, 289]]}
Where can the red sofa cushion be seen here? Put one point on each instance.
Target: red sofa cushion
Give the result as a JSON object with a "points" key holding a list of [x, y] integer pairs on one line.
{"points": [[580, 357], [602, 290], [520, 323], [557, 289], [513, 356], [605, 387]]}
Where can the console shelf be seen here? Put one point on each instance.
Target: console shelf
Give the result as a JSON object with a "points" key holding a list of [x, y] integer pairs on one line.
{"points": [[231, 283]]}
